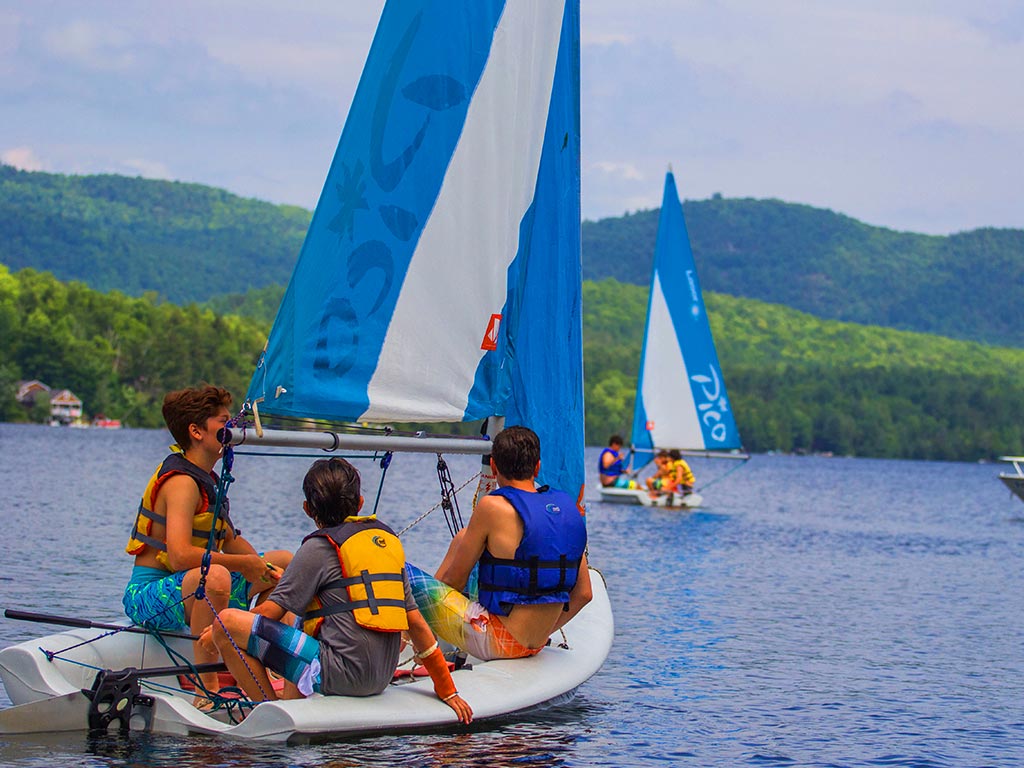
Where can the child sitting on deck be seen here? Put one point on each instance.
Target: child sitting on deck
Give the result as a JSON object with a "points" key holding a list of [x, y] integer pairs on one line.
{"points": [[172, 532], [351, 648]]}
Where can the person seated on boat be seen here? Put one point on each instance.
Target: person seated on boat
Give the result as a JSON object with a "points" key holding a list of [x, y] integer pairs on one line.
{"points": [[611, 467], [353, 626], [487, 597], [172, 531], [681, 479], [657, 482]]}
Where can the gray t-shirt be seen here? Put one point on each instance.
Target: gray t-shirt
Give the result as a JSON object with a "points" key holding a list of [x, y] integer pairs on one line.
{"points": [[354, 661]]}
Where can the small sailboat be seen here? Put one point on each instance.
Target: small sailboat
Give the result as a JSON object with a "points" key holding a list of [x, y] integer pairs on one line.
{"points": [[681, 401], [440, 281]]}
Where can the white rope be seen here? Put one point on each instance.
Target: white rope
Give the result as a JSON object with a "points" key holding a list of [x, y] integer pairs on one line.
{"points": [[436, 506]]}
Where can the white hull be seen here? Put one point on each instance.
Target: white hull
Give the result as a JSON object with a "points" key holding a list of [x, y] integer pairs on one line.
{"points": [[637, 496], [48, 694], [1014, 480], [1015, 483]]}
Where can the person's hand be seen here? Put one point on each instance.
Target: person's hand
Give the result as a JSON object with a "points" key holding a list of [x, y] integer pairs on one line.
{"points": [[462, 708], [206, 640], [259, 572]]}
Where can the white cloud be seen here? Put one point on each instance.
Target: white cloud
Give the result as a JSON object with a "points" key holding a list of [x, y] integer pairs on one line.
{"points": [[150, 169], [93, 46], [618, 170], [22, 158]]}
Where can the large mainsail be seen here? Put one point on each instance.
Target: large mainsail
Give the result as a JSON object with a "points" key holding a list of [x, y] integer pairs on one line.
{"points": [[681, 400], [439, 280]]}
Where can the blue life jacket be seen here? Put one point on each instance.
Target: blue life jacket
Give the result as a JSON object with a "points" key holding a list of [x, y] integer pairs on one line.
{"points": [[548, 558], [615, 468]]}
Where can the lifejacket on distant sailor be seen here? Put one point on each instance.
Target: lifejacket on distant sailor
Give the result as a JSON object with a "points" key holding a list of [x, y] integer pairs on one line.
{"points": [[614, 469]]}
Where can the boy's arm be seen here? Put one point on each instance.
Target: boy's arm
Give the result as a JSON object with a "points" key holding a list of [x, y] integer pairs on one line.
{"points": [[180, 495], [431, 657], [455, 570], [581, 594]]}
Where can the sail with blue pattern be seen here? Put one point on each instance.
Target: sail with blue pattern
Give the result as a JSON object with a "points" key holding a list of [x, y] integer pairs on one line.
{"points": [[439, 280], [681, 401]]}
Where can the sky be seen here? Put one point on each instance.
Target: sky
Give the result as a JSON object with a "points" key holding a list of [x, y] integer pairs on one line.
{"points": [[907, 114]]}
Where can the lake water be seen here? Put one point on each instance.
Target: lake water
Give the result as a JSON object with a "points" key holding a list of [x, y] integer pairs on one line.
{"points": [[818, 612]]}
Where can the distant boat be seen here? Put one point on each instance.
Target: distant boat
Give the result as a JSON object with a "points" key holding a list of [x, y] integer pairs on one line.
{"points": [[681, 401], [440, 281], [102, 422], [1014, 480]]}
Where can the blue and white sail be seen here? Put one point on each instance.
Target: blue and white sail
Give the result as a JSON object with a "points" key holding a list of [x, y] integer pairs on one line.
{"points": [[681, 400], [440, 278]]}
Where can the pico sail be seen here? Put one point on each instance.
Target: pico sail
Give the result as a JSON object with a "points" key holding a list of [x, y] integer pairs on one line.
{"points": [[440, 281], [681, 402]]}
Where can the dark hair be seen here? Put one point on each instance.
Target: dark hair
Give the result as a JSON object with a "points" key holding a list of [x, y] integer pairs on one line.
{"points": [[674, 454], [194, 405], [615, 439], [516, 451], [332, 488]]}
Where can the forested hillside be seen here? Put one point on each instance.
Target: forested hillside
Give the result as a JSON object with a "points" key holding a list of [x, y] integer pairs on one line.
{"points": [[965, 286], [119, 354], [187, 242], [184, 242], [796, 383]]}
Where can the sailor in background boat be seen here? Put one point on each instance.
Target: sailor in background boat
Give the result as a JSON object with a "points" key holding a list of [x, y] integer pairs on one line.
{"points": [[673, 476], [662, 473], [611, 467], [357, 621], [172, 530], [527, 548]]}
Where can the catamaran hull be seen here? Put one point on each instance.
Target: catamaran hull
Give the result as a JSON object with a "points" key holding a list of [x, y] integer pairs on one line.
{"points": [[48, 696], [637, 496]]}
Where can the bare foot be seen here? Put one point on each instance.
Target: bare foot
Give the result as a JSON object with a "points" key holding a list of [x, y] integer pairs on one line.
{"points": [[203, 704]]}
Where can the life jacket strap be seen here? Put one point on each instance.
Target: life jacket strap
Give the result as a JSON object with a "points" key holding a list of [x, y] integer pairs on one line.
{"points": [[366, 579], [137, 535], [373, 605], [564, 566], [197, 533]]}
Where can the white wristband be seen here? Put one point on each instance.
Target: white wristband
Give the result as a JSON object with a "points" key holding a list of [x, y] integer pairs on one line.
{"points": [[423, 654]]}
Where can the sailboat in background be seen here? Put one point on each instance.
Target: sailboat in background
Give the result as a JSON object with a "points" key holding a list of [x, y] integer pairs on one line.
{"points": [[440, 281], [681, 401]]}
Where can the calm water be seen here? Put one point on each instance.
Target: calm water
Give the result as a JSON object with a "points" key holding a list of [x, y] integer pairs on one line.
{"points": [[819, 612]]}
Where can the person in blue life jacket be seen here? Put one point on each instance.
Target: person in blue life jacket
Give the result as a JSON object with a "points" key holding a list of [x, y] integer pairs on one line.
{"points": [[172, 532], [352, 626], [528, 546], [611, 466]]}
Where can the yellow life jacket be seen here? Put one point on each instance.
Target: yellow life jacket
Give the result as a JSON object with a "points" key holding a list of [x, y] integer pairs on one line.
{"points": [[688, 478], [372, 567], [141, 535]]}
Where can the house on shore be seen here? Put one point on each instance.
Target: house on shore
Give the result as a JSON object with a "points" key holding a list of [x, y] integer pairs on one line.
{"points": [[65, 408], [28, 391]]}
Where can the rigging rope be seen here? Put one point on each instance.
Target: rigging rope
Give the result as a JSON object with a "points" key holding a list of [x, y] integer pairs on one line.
{"points": [[449, 499], [435, 507], [721, 476]]}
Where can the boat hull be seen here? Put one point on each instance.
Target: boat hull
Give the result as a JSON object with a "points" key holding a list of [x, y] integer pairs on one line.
{"points": [[644, 498], [1015, 483], [48, 693]]}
